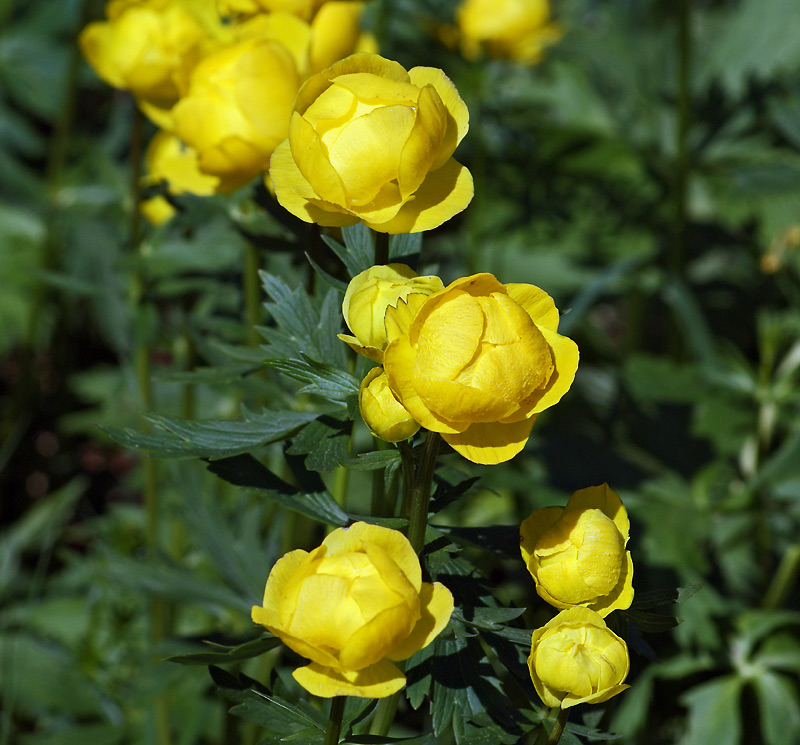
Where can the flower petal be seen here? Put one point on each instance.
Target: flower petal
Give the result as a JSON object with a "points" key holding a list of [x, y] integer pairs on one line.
{"points": [[537, 304], [534, 527], [565, 356], [603, 498], [376, 681], [491, 443], [312, 161], [420, 148], [445, 192], [436, 606]]}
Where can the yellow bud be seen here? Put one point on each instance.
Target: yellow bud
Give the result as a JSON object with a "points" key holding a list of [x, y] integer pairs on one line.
{"points": [[352, 605], [382, 413], [368, 296], [168, 160], [577, 554], [576, 659], [157, 210]]}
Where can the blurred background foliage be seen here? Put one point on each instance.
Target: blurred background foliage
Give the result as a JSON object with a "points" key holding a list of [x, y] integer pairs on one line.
{"points": [[646, 174]]}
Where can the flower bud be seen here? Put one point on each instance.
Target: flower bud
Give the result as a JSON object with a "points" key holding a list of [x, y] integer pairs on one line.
{"points": [[368, 296], [576, 659], [577, 555], [352, 605], [168, 160], [381, 411]]}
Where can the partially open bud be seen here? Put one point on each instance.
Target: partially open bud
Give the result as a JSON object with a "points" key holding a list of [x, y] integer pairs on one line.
{"points": [[382, 412]]}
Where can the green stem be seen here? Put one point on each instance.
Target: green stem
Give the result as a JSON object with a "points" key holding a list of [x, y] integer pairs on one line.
{"points": [[381, 248], [784, 579], [421, 493], [252, 294], [378, 503], [335, 720], [558, 727], [384, 715], [407, 461]]}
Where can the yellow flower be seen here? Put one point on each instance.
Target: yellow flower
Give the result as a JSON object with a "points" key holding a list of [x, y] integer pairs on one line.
{"points": [[477, 361], [381, 411], [157, 210], [237, 108], [577, 659], [577, 554], [371, 142], [148, 47], [168, 159], [511, 29], [303, 8], [352, 605], [368, 296]]}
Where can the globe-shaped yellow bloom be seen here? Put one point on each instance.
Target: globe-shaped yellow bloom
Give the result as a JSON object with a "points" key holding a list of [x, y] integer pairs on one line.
{"points": [[371, 142], [352, 605], [168, 160], [237, 108], [576, 554], [149, 47], [513, 29], [477, 361], [381, 411], [368, 296], [577, 659]]}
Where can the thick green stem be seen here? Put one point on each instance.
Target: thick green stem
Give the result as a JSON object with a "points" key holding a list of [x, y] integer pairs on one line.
{"points": [[384, 715], [335, 720], [558, 727], [252, 294], [381, 248], [421, 493], [407, 461]]}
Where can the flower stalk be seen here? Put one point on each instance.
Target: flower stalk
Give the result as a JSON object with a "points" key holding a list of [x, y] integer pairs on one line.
{"points": [[335, 720], [421, 493], [558, 727]]}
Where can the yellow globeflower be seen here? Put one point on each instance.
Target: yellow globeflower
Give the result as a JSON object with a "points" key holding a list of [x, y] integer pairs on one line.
{"points": [[368, 296], [352, 605], [167, 159], [381, 411], [514, 29], [477, 361], [237, 108], [148, 47], [371, 142], [577, 555], [577, 659], [303, 8]]}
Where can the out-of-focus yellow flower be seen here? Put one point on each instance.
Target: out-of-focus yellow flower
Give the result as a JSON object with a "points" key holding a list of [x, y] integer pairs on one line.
{"points": [[512, 29], [237, 109], [577, 659], [303, 8], [371, 142], [477, 361], [368, 296], [168, 160], [149, 47], [352, 605], [381, 411], [334, 33], [157, 210], [577, 554]]}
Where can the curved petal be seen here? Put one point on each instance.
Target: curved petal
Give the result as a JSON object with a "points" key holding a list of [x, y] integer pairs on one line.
{"points": [[312, 161], [565, 356], [295, 193], [398, 319], [491, 443], [336, 28], [536, 302], [376, 681], [282, 572], [394, 543], [445, 192], [533, 528], [372, 353], [603, 498], [621, 596], [462, 403], [421, 145], [371, 643], [436, 607], [303, 648], [457, 112]]}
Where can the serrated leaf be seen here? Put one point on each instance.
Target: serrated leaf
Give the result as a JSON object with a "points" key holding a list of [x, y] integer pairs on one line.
{"points": [[329, 279], [372, 461], [324, 442], [323, 380], [446, 494], [655, 598], [360, 244], [223, 655], [646, 621]]}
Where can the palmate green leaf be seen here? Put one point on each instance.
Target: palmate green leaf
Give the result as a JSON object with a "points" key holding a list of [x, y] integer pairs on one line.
{"points": [[246, 471], [211, 439], [372, 461], [324, 442], [303, 324], [327, 381], [714, 712], [655, 598], [224, 655], [490, 619], [779, 708], [329, 279]]}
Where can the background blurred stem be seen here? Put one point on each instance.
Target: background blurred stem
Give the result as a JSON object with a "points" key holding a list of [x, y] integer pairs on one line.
{"points": [[381, 248], [784, 579], [680, 245], [252, 294]]}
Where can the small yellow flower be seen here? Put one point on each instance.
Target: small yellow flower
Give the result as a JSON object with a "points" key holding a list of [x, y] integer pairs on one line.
{"points": [[381, 411], [352, 605], [368, 296], [371, 142], [157, 210], [512, 29], [577, 555], [149, 47], [237, 108], [168, 160], [477, 361], [577, 659]]}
